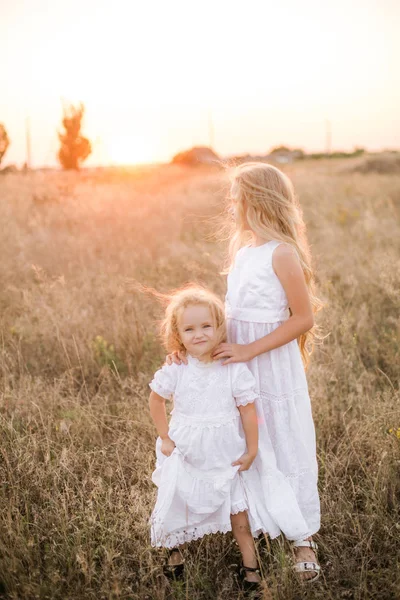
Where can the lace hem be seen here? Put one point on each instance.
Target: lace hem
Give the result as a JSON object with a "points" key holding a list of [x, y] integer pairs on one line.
{"points": [[245, 399], [239, 507], [181, 537], [188, 535], [160, 390]]}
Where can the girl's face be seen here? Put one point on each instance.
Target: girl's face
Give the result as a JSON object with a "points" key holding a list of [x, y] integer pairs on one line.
{"points": [[197, 330]]}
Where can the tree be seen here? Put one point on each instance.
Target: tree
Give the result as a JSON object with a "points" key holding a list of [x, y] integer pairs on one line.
{"points": [[74, 147], [4, 141], [280, 149]]}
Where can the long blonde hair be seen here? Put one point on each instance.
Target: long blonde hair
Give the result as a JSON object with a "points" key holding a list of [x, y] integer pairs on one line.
{"points": [[266, 203]]}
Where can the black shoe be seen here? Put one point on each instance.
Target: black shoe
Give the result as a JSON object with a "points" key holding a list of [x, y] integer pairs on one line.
{"points": [[251, 589], [173, 572]]}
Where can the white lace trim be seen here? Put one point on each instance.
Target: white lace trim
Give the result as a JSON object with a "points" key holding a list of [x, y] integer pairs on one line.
{"points": [[299, 474], [271, 474], [200, 364], [188, 535], [160, 390], [239, 507], [245, 399], [193, 533], [283, 397]]}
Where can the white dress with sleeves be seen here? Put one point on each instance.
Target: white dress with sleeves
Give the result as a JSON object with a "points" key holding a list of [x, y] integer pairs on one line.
{"points": [[198, 488]]}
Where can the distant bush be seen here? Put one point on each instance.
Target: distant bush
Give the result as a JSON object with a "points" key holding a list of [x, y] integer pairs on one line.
{"points": [[339, 154], [280, 149], [74, 147], [384, 164], [9, 169], [4, 141], [201, 155]]}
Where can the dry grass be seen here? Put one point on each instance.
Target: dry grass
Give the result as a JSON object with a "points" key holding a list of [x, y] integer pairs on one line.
{"points": [[78, 348], [384, 164]]}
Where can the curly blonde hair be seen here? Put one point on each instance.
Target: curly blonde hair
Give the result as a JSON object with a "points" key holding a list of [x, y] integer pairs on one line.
{"points": [[175, 303], [266, 203]]}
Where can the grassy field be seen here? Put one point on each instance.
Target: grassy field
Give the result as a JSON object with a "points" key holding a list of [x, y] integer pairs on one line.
{"points": [[79, 345]]}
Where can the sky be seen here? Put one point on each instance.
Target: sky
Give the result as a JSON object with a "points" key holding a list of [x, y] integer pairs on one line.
{"points": [[153, 75]]}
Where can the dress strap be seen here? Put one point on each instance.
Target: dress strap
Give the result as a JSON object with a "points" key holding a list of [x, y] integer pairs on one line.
{"points": [[275, 243]]}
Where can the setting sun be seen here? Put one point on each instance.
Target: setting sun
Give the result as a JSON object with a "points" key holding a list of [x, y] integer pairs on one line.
{"points": [[269, 73], [125, 150]]}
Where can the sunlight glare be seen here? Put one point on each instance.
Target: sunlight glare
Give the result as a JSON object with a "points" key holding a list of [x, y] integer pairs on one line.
{"points": [[126, 150]]}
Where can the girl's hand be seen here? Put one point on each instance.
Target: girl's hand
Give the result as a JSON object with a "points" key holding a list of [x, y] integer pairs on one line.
{"points": [[176, 357], [167, 446], [245, 461], [234, 353]]}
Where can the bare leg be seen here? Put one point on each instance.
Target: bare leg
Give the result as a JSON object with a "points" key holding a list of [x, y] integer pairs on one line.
{"points": [[242, 534], [176, 557]]}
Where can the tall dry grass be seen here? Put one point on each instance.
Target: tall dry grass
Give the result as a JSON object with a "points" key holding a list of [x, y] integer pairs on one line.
{"points": [[78, 347]]}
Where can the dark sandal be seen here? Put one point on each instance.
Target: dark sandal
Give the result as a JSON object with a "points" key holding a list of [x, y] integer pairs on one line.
{"points": [[173, 572], [251, 588]]}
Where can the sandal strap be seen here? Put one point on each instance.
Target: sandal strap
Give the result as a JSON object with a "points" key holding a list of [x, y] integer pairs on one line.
{"points": [[308, 567], [250, 569], [305, 544], [171, 550], [302, 567]]}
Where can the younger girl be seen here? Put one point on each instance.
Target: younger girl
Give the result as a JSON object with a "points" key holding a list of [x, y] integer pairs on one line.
{"points": [[204, 472], [269, 305]]}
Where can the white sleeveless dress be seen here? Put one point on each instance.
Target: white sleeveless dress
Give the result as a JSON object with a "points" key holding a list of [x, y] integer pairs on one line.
{"points": [[256, 304]]}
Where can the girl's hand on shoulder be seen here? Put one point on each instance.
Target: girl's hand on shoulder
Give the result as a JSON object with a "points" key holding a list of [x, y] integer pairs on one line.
{"points": [[245, 461], [177, 357], [234, 353], [167, 446]]}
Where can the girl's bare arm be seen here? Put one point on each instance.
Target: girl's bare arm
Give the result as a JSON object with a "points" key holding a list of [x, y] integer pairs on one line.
{"points": [[288, 269], [159, 414], [248, 415]]}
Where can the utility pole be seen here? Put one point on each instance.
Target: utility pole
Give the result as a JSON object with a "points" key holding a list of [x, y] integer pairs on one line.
{"points": [[28, 144], [210, 129], [328, 148]]}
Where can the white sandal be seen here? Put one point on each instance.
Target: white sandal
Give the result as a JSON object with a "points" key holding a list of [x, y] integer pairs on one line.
{"points": [[306, 567]]}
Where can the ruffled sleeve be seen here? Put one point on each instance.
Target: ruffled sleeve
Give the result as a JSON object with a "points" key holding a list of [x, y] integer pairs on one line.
{"points": [[243, 385], [165, 380]]}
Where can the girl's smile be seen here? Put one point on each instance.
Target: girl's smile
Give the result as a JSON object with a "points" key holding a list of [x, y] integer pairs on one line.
{"points": [[197, 330]]}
